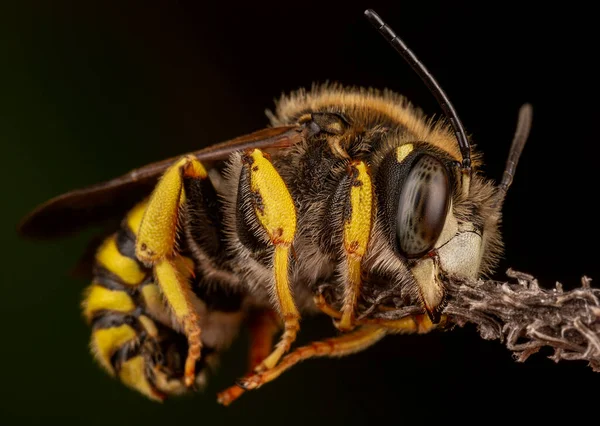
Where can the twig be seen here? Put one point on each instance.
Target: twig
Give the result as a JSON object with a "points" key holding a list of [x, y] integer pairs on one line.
{"points": [[521, 314]]}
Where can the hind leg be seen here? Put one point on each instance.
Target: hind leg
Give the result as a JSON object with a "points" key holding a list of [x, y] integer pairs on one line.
{"points": [[263, 327], [156, 247], [134, 336], [127, 340]]}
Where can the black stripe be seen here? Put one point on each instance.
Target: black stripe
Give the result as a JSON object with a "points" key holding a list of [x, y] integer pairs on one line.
{"points": [[127, 351], [111, 281], [125, 240], [103, 319]]}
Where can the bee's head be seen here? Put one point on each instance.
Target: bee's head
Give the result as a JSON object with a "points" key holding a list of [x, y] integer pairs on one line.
{"points": [[436, 215], [430, 224]]}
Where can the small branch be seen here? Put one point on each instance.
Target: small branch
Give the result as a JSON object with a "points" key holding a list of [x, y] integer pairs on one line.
{"points": [[521, 314]]}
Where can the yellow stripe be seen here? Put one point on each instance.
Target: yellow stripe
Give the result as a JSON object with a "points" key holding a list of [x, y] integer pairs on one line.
{"points": [[100, 298], [127, 269], [133, 374], [277, 214], [134, 217], [107, 340]]}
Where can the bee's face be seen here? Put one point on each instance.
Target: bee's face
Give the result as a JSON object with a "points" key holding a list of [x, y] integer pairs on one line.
{"points": [[427, 226]]}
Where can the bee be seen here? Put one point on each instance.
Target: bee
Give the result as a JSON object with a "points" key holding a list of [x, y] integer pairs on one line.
{"points": [[350, 192]]}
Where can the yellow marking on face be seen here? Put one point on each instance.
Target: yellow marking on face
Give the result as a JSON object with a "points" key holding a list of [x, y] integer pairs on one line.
{"points": [[403, 150], [357, 231], [135, 215], [107, 340], [276, 212], [133, 374], [101, 298], [156, 237], [127, 269], [282, 285]]}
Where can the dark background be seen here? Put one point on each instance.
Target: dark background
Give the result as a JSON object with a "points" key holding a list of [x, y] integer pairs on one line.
{"points": [[90, 91]]}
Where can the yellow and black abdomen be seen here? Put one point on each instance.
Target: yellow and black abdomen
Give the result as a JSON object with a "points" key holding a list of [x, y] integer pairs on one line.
{"points": [[132, 337]]}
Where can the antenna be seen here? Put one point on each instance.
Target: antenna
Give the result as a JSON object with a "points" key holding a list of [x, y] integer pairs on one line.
{"points": [[430, 82], [518, 142]]}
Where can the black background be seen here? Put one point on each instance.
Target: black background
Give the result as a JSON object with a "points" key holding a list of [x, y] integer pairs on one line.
{"points": [[90, 91]]}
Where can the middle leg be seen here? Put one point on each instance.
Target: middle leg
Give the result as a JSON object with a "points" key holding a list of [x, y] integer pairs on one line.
{"points": [[269, 214]]}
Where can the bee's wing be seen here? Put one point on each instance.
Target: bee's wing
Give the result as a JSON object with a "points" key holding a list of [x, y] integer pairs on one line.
{"points": [[100, 203]]}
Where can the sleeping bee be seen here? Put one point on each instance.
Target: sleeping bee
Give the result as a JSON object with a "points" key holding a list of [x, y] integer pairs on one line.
{"points": [[349, 192]]}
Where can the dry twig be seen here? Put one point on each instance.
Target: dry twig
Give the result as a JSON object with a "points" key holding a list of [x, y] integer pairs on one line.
{"points": [[521, 314]]}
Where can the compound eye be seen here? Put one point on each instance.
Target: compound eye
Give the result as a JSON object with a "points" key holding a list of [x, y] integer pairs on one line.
{"points": [[423, 206]]}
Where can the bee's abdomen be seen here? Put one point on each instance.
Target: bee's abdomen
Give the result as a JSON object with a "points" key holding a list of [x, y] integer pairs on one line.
{"points": [[122, 305]]}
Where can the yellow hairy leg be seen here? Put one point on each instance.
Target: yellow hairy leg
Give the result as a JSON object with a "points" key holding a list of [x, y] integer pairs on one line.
{"points": [[277, 216], [357, 230], [158, 228], [155, 246], [178, 294]]}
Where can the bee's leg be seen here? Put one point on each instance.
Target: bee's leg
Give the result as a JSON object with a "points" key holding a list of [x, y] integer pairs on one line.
{"points": [[155, 247], [420, 323], [357, 222], [345, 344], [263, 327], [355, 195], [412, 324], [274, 217], [326, 308]]}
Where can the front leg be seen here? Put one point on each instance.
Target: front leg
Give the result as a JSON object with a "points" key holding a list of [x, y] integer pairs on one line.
{"points": [[155, 247], [357, 219]]}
